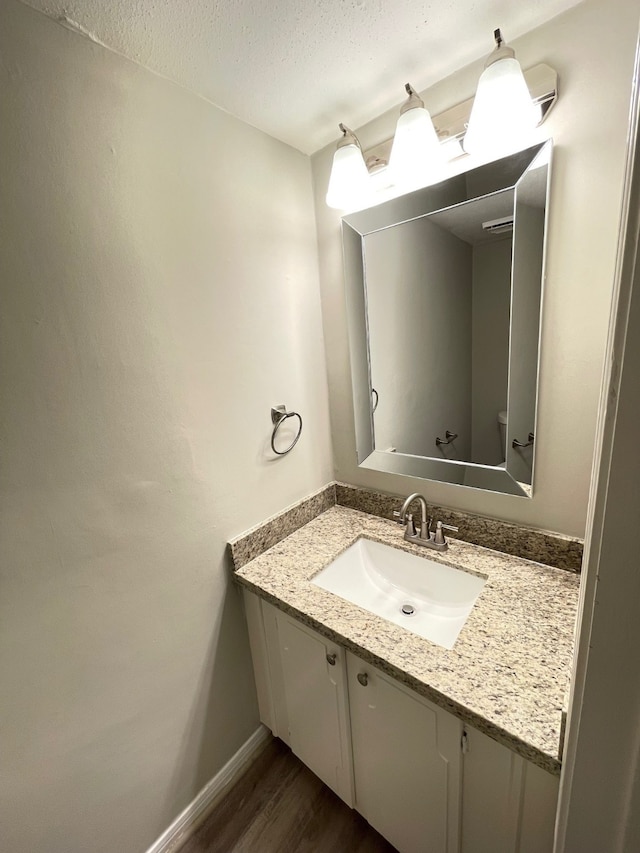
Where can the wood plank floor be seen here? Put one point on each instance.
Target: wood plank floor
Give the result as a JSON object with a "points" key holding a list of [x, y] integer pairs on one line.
{"points": [[279, 806]]}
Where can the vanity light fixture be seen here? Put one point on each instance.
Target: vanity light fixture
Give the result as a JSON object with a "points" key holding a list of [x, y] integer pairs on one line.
{"points": [[349, 184], [503, 112], [416, 152], [507, 106]]}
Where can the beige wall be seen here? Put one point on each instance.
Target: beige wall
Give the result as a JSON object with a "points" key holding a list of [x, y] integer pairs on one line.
{"points": [[418, 299], [591, 47], [490, 348], [600, 783], [160, 293]]}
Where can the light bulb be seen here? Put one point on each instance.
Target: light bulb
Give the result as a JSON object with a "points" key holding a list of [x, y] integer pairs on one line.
{"points": [[349, 183], [416, 154], [503, 114]]}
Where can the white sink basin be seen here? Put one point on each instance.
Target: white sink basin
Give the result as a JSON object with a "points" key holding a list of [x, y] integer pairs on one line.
{"points": [[382, 580]]}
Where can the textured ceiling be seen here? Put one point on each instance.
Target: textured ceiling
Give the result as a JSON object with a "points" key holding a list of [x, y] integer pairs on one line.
{"points": [[294, 68]]}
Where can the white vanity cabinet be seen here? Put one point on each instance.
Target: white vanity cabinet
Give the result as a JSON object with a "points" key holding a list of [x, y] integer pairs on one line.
{"points": [[301, 680], [406, 762], [509, 804], [314, 679], [425, 781]]}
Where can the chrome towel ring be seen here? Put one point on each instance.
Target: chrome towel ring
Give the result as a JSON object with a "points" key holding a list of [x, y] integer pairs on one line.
{"points": [[279, 415]]}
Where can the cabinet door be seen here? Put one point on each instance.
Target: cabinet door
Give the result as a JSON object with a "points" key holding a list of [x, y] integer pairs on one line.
{"points": [[539, 807], [406, 756], [508, 804], [314, 674], [259, 655], [267, 669]]}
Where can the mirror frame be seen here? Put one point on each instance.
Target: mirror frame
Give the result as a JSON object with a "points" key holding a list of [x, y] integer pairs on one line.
{"points": [[421, 202]]}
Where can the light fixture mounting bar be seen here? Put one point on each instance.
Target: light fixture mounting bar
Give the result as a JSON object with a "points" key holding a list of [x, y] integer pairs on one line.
{"points": [[542, 82]]}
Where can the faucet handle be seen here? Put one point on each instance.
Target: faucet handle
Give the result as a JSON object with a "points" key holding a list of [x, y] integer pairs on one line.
{"points": [[408, 520], [410, 529], [440, 528]]}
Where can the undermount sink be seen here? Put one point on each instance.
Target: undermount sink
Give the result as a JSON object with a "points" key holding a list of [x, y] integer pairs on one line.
{"points": [[428, 598]]}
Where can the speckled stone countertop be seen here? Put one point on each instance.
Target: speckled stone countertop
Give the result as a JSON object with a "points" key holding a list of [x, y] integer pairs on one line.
{"points": [[508, 672]]}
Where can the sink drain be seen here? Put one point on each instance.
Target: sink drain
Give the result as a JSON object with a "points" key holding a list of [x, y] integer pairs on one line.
{"points": [[407, 610]]}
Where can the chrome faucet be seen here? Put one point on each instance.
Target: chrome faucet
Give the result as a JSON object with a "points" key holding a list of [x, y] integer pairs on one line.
{"points": [[425, 537], [404, 518]]}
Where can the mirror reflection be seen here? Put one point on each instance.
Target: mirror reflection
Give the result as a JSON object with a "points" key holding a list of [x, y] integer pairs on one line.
{"points": [[444, 289]]}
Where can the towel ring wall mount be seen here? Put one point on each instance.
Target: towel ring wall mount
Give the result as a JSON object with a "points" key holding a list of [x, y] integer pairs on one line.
{"points": [[279, 415], [516, 443]]}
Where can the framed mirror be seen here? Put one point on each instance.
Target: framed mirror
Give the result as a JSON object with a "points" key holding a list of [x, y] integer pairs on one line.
{"points": [[444, 291]]}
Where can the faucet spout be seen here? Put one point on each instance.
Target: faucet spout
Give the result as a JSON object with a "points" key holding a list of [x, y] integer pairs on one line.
{"points": [[425, 537], [424, 524]]}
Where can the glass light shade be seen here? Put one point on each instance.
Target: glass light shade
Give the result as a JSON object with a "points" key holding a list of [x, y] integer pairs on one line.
{"points": [[416, 154], [503, 113], [349, 184]]}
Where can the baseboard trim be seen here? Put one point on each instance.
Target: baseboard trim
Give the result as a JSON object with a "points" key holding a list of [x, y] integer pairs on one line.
{"points": [[213, 791]]}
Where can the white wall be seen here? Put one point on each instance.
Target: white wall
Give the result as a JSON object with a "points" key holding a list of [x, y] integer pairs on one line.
{"points": [[591, 47], [490, 346], [418, 283], [528, 267], [160, 293], [600, 784]]}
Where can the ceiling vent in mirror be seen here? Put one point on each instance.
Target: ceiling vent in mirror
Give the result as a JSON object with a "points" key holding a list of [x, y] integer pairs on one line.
{"points": [[498, 226]]}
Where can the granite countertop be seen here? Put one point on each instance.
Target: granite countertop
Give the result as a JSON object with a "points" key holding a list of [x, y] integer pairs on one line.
{"points": [[508, 672]]}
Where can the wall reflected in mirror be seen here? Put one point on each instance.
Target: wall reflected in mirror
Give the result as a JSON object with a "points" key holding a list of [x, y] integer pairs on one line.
{"points": [[444, 289]]}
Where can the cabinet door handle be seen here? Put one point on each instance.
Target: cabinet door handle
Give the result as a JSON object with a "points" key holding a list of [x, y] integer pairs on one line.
{"points": [[331, 659], [363, 678]]}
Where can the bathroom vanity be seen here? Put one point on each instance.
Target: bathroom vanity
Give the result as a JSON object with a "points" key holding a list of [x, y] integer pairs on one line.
{"points": [[441, 750]]}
